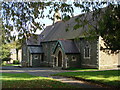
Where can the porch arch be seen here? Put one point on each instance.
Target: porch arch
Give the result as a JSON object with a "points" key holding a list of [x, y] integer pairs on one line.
{"points": [[59, 59]]}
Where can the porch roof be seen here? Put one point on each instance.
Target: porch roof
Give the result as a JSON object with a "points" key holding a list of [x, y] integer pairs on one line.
{"points": [[68, 46]]}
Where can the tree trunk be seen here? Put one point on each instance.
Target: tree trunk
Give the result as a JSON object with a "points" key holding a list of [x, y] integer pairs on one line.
{"points": [[17, 54]]}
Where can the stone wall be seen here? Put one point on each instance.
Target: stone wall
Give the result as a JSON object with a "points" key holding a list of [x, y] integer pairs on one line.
{"points": [[48, 53], [92, 61], [73, 60], [36, 60], [25, 57], [106, 60]]}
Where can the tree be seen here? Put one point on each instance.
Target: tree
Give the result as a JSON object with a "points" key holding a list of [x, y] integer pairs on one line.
{"points": [[4, 48], [16, 45], [109, 27], [24, 15], [5, 51], [6, 59]]}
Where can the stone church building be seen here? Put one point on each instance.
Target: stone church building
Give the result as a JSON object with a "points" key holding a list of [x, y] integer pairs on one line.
{"points": [[55, 47]]}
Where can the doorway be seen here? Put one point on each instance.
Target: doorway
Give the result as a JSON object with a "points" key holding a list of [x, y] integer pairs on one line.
{"points": [[60, 59]]}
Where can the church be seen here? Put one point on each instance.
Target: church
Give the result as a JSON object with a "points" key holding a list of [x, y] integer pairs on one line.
{"points": [[55, 47]]}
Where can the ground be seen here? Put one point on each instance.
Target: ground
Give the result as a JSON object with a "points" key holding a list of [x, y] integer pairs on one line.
{"points": [[24, 80], [46, 72], [107, 77]]}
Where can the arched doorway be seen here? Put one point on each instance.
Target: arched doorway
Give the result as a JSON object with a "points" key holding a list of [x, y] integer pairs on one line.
{"points": [[60, 59]]}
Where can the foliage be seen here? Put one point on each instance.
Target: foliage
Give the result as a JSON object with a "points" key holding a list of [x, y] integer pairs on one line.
{"points": [[6, 59], [24, 80], [3, 63], [109, 27], [25, 15], [110, 77], [9, 64], [5, 51], [16, 62], [15, 45]]}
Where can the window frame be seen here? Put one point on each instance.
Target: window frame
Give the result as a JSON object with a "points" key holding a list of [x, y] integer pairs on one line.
{"points": [[36, 57], [87, 51]]}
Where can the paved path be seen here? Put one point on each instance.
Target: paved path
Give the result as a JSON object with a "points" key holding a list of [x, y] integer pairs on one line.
{"points": [[46, 72]]}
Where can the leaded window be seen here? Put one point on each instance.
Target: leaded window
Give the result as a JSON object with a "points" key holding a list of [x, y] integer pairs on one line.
{"points": [[87, 52]]}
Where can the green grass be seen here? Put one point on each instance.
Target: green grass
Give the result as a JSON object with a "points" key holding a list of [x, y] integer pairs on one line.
{"points": [[24, 80], [110, 77], [11, 65], [79, 69]]}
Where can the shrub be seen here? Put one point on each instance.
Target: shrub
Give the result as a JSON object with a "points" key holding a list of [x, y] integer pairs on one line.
{"points": [[6, 59], [4, 63], [16, 62]]}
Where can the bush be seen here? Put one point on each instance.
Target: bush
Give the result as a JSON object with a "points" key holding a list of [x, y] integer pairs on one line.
{"points": [[4, 63], [6, 59], [16, 62]]}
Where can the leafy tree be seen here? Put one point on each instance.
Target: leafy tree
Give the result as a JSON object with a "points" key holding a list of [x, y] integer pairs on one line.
{"points": [[109, 27], [6, 59], [16, 45], [5, 51], [4, 48], [20, 16]]}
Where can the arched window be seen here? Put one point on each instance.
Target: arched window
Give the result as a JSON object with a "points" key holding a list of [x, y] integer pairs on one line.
{"points": [[87, 52]]}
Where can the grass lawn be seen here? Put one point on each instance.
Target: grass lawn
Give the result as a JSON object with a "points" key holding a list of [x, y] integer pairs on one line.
{"points": [[79, 69], [11, 65], [110, 77], [24, 80]]}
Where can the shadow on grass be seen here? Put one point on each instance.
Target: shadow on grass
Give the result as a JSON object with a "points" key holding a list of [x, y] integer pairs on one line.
{"points": [[110, 77], [25, 80], [34, 84]]}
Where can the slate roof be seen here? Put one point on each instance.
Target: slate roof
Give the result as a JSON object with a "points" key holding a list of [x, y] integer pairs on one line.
{"points": [[58, 30], [34, 40], [35, 49], [68, 46], [46, 31]]}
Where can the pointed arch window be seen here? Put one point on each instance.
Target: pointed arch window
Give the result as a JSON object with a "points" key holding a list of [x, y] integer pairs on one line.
{"points": [[87, 52]]}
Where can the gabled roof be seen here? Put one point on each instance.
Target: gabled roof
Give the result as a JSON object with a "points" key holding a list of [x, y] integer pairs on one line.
{"points": [[58, 30], [35, 49], [68, 46], [34, 40]]}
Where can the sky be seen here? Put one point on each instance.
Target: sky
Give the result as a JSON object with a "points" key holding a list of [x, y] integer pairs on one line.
{"points": [[47, 21], [77, 11]]}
